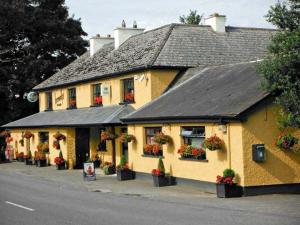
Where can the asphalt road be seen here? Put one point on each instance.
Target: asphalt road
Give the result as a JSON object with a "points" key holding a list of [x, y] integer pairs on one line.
{"points": [[27, 199]]}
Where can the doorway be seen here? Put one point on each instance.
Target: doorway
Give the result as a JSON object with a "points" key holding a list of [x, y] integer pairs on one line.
{"points": [[82, 146]]}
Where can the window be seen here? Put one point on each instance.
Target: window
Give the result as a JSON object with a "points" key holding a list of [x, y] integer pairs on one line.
{"points": [[44, 137], [48, 100], [97, 98], [193, 136], [128, 90], [72, 98], [150, 132]]}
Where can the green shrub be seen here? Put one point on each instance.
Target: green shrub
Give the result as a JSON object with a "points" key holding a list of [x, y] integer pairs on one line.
{"points": [[60, 154], [123, 161], [228, 173], [161, 166]]}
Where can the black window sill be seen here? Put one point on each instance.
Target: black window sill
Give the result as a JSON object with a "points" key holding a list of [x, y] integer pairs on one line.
{"points": [[70, 108], [47, 110], [192, 159], [126, 103], [98, 105], [152, 156]]}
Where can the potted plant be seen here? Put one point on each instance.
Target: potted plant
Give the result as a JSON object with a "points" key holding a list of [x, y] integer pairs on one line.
{"points": [[27, 134], [98, 100], [106, 136], [41, 159], [123, 171], [160, 178], [286, 141], [126, 138], [226, 187], [57, 138], [190, 152], [27, 158], [109, 168], [161, 139], [97, 161], [60, 162], [20, 157], [213, 143], [129, 97]]}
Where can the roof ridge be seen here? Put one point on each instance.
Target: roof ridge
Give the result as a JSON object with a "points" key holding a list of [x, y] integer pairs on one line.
{"points": [[163, 44]]}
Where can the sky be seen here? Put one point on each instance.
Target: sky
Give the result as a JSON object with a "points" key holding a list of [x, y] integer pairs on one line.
{"points": [[102, 16]]}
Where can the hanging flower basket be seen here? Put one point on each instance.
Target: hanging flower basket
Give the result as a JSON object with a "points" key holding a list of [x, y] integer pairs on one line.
{"points": [[22, 142], [5, 134], [59, 137], [126, 138], [161, 138], [27, 134], [286, 141], [213, 143], [105, 136]]}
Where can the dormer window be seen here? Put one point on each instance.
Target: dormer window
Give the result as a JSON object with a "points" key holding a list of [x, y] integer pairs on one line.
{"points": [[48, 101], [97, 98], [72, 98], [128, 90]]}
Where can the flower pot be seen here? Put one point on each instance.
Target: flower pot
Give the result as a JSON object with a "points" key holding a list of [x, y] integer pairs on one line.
{"points": [[109, 170], [162, 180], [125, 175], [228, 191], [60, 166], [28, 161], [41, 163]]}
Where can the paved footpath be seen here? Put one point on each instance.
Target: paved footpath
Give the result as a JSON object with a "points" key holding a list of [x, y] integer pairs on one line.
{"points": [[30, 195]]}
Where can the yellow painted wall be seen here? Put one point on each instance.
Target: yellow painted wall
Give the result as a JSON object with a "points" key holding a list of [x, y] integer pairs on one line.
{"points": [[280, 166], [153, 84], [33, 142], [197, 170]]}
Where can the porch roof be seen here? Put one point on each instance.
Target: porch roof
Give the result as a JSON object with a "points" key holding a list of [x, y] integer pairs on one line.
{"points": [[73, 118]]}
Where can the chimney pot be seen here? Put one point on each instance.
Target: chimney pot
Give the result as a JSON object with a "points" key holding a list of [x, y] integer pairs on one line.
{"points": [[123, 24], [97, 35], [109, 35], [134, 24]]}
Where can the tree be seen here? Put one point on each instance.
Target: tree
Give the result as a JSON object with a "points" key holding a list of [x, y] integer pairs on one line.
{"points": [[192, 18], [37, 38], [281, 68]]}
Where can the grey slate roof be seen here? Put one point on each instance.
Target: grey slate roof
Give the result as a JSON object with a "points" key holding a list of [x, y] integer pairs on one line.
{"points": [[174, 45], [75, 117], [216, 92]]}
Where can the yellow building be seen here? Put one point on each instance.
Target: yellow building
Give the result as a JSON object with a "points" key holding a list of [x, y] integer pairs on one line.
{"points": [[107, 89]]}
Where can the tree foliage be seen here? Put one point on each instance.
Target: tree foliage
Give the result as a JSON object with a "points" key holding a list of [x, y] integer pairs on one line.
{"points": [[281, 69], [37, 38], [192, 18]]}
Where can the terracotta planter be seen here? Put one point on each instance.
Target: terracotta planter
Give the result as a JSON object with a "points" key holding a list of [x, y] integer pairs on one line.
{"points": [[229, 191], [125, 175]]}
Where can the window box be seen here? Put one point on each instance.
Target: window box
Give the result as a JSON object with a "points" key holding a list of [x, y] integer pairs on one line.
{"points": [[193, 159], [152, 156]]}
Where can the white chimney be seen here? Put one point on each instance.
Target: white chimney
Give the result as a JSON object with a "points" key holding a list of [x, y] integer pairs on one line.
{"points": [[121, 34], [97, 42], [216, 21]]}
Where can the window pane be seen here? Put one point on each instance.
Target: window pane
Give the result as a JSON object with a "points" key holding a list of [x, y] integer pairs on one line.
{"points": [[128, 90], [44, 137], [196, 142]]}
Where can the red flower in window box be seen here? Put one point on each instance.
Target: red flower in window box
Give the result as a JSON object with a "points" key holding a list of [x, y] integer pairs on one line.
{"points": [[156, 149], [98, 100], [148, 148], [129, 97], [157, 172], [72, 102]]}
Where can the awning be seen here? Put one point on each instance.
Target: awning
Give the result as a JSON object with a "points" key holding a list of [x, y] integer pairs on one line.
{"points": [[92, 116]]}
